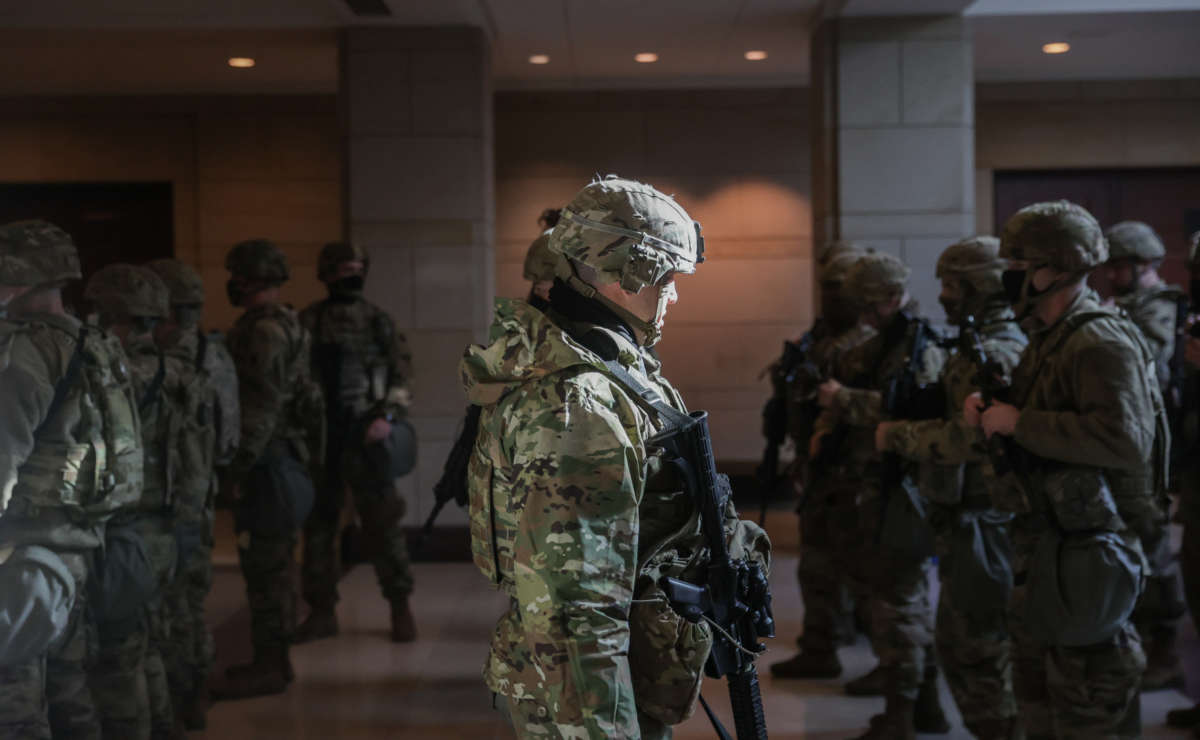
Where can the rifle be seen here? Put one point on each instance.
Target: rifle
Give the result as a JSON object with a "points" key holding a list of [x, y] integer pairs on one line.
{"points": [[1179, 394], [452, 486], [775, 414], [904, 397], [1005, 454], [736, 599]]}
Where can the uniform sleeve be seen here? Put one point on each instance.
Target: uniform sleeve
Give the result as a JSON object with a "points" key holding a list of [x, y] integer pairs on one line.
{"points": [[859, 407], [262, 391], [575, 560], [25, 396], [937, 441], [1156, 319], [1112, 426]]}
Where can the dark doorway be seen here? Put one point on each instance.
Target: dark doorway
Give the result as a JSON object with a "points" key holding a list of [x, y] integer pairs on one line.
{"points": [[110, 221], [1166, 198]]}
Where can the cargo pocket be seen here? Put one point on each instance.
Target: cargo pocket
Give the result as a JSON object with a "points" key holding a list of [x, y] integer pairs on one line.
{"points": [[666, 657]]}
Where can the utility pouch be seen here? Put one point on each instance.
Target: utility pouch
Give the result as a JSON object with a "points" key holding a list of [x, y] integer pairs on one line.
{"points": [[667, 654], [981, 576], [278, 494]]}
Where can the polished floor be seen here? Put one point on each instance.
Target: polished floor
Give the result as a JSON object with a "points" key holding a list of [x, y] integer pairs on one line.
{"points": [[360, 685]]}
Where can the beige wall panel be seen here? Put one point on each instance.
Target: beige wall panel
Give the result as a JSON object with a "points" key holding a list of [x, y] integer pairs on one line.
{"points": [[299, 211], [268, 147]]}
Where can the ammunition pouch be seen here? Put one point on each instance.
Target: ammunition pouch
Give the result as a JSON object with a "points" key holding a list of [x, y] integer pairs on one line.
{"points": [[667, 654], [981, 576]]}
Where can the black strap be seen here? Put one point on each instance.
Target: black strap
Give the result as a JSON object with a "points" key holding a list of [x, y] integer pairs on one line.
{"points": [[722, 733], [645, 396], [201, 350], [66, 382], [156, 383]]}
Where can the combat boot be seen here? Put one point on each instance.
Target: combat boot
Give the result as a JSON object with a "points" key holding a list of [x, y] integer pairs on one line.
{"points": [[1184, 717], [896, 722], [321, 623], [404, 626], [267, 674], [872, 684], [928, 716], [809, 664], [1164, 670]]}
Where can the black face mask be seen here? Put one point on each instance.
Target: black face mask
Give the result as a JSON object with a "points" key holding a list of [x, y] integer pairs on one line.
{"points": [[1013, 281], [236, 291], [347, 286]]}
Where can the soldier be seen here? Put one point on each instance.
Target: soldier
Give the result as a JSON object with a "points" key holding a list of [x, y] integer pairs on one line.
{"points": [[207, 434], [282, 417], [827, 520], [70, 458], [573, 515], [1089, 418], [540, 262], [901, 615], [1134, 254], [364, 366], [1188, 513], [970, 632], [129, 678]]}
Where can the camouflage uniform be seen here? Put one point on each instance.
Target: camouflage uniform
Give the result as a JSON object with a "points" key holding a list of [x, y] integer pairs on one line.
{"points": [[270, 348], [1155, 310], [972, 638], [65, 469], [1088, 406], [828, 521], [364, 367], [207, 386], [573, 514], [129, 679], [901, 614]]}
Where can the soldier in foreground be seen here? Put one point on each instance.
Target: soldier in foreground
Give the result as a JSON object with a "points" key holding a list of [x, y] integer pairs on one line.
{"points": [[574, 514], [208, 433], [540, 262], [1088, 461], [129, 677], [1134, 254], [902, 616], [972, 537], [270, 473], [65, 395], [364, 366], [827, 508]]}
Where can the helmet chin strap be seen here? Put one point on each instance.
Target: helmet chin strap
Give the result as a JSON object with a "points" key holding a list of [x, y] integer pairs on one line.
{"points": [[1030, 298], [649, 330]]}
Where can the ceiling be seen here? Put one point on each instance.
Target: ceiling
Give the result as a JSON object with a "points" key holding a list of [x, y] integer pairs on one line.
{"points": [[163, 46]]}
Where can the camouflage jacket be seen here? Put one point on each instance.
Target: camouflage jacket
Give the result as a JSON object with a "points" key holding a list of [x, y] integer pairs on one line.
{"points": [[1092, 414], [863, 370], [208, 353], [1155, 311], [802, 389], [63, 475], [955, 451], [569, 508], [270, 349], [362, 363]]}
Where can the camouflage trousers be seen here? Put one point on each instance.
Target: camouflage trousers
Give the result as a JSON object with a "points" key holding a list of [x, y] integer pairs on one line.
{"points": [[119, 686], [189, 653], [49, 695], [975, 654], [1161, 604], [828, 538], [901, 610], [266, 567], [531, 721], [381, 510]]}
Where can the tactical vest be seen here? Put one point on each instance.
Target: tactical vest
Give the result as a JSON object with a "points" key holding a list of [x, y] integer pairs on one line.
{"points": [[351, 361], [100, 471]]}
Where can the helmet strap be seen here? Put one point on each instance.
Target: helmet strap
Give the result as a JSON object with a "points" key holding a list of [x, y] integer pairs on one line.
{"points": [[648, 330]]}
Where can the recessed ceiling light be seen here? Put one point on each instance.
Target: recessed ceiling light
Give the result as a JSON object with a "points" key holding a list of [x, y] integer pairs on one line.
{"points": [[1057, 47], [241, 62], [756, 56], [646, 57], [539, 59]]}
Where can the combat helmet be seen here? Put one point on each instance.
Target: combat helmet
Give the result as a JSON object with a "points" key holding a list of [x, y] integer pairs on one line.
{"points": [[1056, 234], [540, 262], [975, 260], [835, 249], [335, 253], [37, 253], [184, 284], [128, 291], [1134, 240], [834, 271], [629, 233], [259, 260], [877, 277]]}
